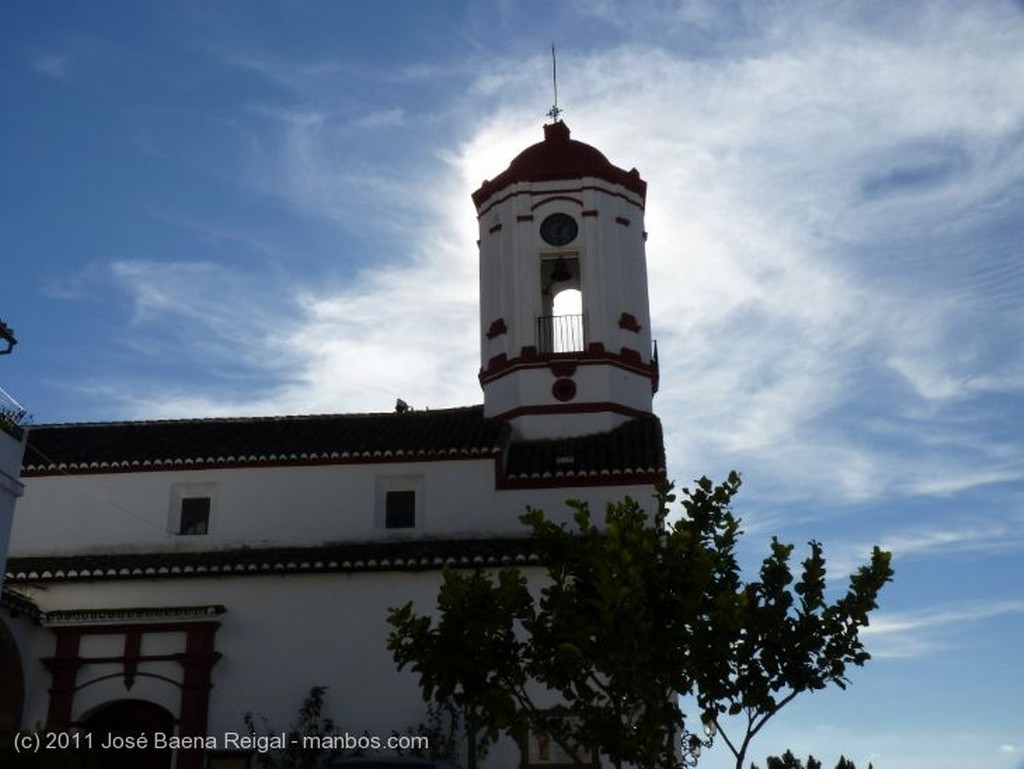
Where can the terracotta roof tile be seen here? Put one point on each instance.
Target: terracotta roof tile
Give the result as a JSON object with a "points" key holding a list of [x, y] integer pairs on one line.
{"points": [[557, 158], [456, 432], [633, 452], [17, 604], [635, 448], [403, 555]]}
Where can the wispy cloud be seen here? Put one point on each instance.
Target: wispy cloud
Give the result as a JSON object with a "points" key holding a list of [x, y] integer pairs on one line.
{"points": [[307, 78], [63, 58], [384, 118], [331, 166], [913, 634], [771, 315], [988, 534], [181, 314], [52, 64], [814, 184], [834, 260], [353, 345], [193, 291], [995, 536]]}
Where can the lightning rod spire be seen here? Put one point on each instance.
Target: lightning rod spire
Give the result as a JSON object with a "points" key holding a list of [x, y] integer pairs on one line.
{"points": [[554, 112]]}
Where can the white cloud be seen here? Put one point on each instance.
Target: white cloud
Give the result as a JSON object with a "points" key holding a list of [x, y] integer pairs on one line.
{"points": [[768, 323], [384, 118], [985, 535], [199, 293], [397, 328], [913, 634], [995, 536], [835, 271], [64, 58], [780, 164], [52, 64]]}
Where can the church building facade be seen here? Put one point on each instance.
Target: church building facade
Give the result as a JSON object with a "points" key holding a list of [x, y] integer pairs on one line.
{"points": [[173, 575]]}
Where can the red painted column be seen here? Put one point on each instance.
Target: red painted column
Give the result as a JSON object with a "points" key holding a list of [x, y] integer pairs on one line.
{"points": [[63, 668], [197, 661]]}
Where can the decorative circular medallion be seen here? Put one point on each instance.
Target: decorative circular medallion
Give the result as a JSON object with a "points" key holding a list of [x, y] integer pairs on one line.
{"points": [[564, 389], [559, 229]]}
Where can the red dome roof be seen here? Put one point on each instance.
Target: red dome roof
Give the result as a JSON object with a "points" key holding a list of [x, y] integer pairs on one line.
{"points": [[559, 157]]}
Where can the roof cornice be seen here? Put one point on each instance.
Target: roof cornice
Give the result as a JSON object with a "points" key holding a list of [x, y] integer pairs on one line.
{"points": [[404, 555]]}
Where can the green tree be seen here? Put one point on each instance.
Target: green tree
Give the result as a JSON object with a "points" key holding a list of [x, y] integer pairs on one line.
{"points": [[633, 613], [309, 723], [313, 739], [791, 640], [789, 761]]}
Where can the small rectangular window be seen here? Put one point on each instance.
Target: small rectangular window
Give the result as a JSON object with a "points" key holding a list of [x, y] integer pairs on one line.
{"points": [[195, 515], [400, 510]]}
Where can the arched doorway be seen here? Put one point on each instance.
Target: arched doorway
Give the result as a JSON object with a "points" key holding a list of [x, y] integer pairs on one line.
{"points": [[12, 682], [130, 718]]}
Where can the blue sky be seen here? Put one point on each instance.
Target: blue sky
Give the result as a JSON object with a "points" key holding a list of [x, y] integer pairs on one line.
{"points": [[263, 208]]}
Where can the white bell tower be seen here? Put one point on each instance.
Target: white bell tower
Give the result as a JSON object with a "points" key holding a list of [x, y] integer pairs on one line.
{"points": [[563, 223]]}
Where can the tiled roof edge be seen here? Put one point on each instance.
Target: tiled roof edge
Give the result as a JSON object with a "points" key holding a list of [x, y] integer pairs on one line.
{"points": [[411, 555], [215, 443], [17, 604], [257, 418], [559, 479], [259, 460], [133, 614]]}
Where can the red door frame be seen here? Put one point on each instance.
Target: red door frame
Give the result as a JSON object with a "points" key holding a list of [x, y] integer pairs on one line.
{"points": [[197, 661]]}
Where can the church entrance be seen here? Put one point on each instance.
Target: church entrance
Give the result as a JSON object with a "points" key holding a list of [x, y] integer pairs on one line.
{"points": [[119, 721]]}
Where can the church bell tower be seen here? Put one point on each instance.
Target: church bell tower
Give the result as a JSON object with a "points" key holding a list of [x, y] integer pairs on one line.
{"points": [[565, 337]]}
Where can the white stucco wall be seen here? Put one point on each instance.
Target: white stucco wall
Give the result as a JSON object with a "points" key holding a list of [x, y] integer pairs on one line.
{"points": [[272, 506], [596, 384], [11, 451], [610, 253], [280, 636]]}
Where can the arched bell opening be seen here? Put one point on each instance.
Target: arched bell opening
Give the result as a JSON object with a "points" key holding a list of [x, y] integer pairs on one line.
{"points": [[560, 325]]}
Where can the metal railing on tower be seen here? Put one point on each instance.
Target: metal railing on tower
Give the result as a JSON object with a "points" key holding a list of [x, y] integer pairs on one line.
{"points": [[560, 333]]}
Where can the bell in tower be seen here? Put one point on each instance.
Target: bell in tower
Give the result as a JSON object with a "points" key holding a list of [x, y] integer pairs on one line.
{"points": [[565, 339]]}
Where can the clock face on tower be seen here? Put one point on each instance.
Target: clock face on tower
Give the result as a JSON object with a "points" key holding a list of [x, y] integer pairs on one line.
{"points": [[559, 229]]}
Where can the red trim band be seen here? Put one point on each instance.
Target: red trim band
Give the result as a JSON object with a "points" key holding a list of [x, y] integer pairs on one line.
{"points": [[595, 407], [627, 359], [582, 188]]}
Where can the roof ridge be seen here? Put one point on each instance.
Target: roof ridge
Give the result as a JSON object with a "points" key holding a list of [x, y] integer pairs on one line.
{"points": [[256, 418]]}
